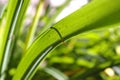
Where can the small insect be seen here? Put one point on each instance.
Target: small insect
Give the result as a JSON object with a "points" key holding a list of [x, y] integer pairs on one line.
{"points": [[59, 35]]}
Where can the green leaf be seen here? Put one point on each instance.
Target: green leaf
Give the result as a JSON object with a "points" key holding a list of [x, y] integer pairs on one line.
{"points": [[87, 18], [5, 29], [8, 43], [15, 14], [56, 73]]}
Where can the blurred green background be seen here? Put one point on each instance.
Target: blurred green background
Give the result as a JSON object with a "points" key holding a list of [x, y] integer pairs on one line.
{"points": [[94, 55]]}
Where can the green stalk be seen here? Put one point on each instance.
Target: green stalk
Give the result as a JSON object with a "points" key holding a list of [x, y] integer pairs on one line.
{"points": [[34, 24]]}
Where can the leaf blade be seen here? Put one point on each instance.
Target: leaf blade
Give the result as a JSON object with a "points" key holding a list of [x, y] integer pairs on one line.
{"points": [[68, 28]]}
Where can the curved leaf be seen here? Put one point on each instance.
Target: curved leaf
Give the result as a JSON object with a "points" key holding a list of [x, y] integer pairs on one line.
{"points": [[89, 17]]}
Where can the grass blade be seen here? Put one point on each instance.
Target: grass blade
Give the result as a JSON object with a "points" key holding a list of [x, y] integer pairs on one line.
{"points": [[6, 55], [5, 30]]}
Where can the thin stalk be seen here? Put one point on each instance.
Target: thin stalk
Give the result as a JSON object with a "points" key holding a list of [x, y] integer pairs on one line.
{"points": [[33, 26]]}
